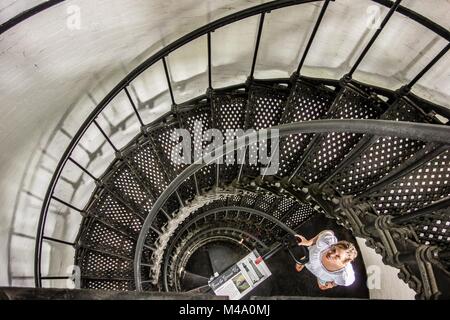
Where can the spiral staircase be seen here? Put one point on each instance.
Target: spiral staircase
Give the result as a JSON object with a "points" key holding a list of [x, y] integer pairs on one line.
{"points": [[374, 160]]}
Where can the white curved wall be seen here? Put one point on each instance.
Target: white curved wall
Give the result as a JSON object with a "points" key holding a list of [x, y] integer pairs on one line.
{"points": [[51, 77]]}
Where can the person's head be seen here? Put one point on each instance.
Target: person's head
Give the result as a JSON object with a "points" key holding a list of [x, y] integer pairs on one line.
{"points": [[341, 253]]}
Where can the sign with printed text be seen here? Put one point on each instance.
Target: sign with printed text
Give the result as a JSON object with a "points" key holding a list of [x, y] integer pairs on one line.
{"points": [[242, 277]]}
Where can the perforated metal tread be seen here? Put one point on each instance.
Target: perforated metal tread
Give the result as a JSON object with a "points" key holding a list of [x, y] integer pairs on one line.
{"points": [[113, 285], [284, 207], [306, 102], [98, 265], [112, 212], [127, 188], [145, 161], [264, 109], [423, 186], [228, 113], [106, 244], [105, 257], [229, 110], [434, 229], [333, 147], [164, 140], [299, 215], [383, 156], [196, 120], [98, 236], [103, 271]]}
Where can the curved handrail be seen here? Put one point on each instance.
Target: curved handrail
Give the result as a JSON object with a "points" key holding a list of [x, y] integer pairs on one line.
{"points": [[412, 130], [427, 23], [123, 84], [24, 15]]}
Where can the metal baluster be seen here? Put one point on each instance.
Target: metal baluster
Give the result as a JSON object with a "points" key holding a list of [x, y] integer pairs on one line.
{"points": [[258, 39], [209, 61], [134, 107], [67, 204], [105, 136], [313, 35], [429, 66], [374, 37], [58, 241], [166, 71], [83, 169]]}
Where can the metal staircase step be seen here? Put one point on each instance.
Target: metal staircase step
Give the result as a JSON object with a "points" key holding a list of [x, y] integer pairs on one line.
{"points": [[306, 102], [125, 185], [103, 238], [109, 211], [424, 185], [265, 106], [301, 214], [386, 154], [196, 120], [434, 229], [97, 265], [145, 161], [333, 147], [228, 113], [264, 109], [110, 285], [162, 141]]}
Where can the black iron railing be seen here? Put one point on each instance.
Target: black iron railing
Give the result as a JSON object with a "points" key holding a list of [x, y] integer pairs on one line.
{"points": [[425, 132]]}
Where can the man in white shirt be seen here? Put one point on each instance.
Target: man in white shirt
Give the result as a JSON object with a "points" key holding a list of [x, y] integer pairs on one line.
{"points": [[329, 259]]}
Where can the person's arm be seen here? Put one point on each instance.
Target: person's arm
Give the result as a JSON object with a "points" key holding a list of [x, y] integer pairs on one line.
{"points": [[302, 241], [327, 285]]}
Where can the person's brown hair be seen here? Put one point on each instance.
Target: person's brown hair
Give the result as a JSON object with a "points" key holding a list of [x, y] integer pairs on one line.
{"points": [[349, 248]]}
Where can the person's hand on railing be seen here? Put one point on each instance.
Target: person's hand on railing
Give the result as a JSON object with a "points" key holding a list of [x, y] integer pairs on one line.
{"points": [[302, 241]]}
